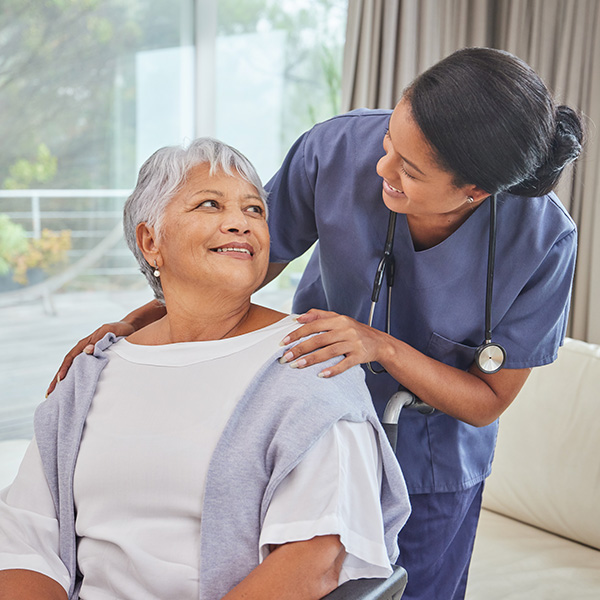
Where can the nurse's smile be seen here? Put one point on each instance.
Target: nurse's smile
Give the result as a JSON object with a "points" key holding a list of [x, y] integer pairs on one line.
{"points": [[391, 190]]}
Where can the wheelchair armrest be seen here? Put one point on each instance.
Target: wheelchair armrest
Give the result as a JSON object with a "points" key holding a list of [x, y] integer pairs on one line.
{"points": [[372, 589]]}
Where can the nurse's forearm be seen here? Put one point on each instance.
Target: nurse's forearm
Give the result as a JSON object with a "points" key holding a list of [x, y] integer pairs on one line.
{"points": [[306, 570], [144, 315], [470, 396], [29, 585]]}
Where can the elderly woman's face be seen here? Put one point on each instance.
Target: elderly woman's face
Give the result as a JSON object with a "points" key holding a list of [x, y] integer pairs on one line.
{"points": [[214, 232]]}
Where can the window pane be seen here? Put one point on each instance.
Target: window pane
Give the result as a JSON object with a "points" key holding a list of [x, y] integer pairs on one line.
{"points": [[89, 89], [278, 72]]}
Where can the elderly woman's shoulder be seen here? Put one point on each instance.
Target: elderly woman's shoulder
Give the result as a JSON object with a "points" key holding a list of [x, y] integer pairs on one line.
{"points": [[304, 388], [261, 317], [288, 399]]}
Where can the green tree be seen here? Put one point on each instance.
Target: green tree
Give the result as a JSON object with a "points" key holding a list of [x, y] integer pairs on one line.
{"points": [[13, 241], [59, 64], [25, 174]]}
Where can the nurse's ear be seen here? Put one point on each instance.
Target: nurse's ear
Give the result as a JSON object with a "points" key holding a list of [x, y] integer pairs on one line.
{"points": [[147, 241], [478, 195]]}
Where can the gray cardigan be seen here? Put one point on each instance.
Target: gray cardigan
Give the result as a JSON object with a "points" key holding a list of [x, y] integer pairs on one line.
{"points": [[281, 415]]}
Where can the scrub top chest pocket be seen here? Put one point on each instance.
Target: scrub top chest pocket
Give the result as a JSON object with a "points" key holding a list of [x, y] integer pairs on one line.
{"points": [[450, 352]]}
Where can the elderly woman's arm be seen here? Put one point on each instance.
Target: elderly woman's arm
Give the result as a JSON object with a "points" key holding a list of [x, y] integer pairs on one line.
{"points": [[300, 570], [29, 585]]}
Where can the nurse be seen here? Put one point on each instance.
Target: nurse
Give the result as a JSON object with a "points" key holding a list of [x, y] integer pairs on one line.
{"points": [[477, 124]]}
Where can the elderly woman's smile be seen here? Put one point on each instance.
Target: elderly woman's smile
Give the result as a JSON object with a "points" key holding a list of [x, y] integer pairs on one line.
{"points": [[243, 251]]}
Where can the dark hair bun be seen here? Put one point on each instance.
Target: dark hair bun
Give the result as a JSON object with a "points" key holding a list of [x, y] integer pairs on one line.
{"points": [[492, 122], [566, 147]]}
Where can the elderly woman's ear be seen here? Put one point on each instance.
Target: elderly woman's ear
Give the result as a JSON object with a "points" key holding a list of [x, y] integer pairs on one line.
{"points": [[146, 241]]}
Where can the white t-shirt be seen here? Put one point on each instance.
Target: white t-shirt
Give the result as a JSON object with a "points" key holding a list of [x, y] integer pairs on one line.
{"points": [[156, 417]]}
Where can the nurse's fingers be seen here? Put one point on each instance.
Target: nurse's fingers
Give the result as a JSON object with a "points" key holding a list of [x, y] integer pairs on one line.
{"points": [[317, 349], [324, 354], [120, 328], [315, 313], [314, 316], [336, 335], [340, 367], [328, 331], [318, 321]]}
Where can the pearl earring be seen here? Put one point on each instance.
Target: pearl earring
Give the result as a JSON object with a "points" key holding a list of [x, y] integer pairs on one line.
{"points": [[156, 271], [470, 200]]}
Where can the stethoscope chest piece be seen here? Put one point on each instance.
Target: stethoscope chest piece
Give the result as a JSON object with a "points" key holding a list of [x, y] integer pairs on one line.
{"points": [[490, 357]]}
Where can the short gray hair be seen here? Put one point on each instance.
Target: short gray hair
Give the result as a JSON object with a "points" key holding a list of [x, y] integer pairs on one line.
{"points": [[161, 177]]}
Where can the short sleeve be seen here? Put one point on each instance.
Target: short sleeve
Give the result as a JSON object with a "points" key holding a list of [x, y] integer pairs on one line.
{"points": [[291, 205], [29, 537], [335, 490], [535, 326]]}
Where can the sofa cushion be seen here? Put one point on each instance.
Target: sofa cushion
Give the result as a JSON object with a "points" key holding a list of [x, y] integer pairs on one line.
{"points": [[546, 471], [513, 561]]}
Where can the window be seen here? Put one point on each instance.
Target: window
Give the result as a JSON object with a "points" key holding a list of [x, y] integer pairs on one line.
{"points": [[89, 89]]}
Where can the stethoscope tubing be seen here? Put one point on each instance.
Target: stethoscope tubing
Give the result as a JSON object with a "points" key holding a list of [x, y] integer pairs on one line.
{"points": [[387, 268], [490, 357], [489, 288]]}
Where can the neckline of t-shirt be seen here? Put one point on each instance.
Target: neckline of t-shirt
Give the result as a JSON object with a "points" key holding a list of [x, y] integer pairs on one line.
{"points": [[187, 353]]}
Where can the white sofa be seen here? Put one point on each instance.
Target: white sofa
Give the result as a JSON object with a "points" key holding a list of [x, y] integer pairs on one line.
{"points": [[539, 533]]}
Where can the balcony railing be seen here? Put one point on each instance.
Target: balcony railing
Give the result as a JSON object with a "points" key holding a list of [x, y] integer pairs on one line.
{"points": [[34, 215], [93, 217]]}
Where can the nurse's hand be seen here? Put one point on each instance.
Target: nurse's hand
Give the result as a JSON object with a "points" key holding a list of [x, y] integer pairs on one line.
{"points": [[120, 328], [338, 335], [140, 317]]}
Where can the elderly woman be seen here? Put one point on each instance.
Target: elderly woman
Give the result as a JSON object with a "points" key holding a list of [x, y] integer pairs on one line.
{"points": [[185, 461]]}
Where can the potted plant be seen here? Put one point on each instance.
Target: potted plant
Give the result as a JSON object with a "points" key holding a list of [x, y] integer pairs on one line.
{"points": [[23, 259], [13, 242]]}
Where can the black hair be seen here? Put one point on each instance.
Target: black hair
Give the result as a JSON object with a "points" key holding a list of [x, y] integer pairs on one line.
{"points": [[492, 122]]}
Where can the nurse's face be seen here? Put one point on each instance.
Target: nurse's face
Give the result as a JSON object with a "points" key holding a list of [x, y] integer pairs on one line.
{"points": [[413, 182]]}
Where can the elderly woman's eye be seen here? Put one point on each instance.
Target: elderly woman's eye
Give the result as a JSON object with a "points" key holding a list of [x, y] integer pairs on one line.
{"points": [[259, 210], [208, 204]]}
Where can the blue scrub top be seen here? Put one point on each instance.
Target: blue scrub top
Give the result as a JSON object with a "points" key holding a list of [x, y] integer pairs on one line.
{"points": [[328, 191]]}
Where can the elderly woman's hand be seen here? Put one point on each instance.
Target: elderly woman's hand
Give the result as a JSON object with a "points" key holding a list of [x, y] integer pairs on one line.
{"points": [[338, 335], [120, 328]]}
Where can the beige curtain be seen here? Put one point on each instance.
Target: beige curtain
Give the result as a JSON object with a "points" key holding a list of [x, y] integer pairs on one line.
{"points": [[560, 39], [390, 41]]}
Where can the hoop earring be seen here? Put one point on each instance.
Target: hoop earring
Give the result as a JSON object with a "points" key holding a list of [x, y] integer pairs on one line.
{"points": [[470, 200], [156, 271]]}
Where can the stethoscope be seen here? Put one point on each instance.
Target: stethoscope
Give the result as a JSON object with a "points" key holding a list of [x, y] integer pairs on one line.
{"points": [[490, 356]]}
